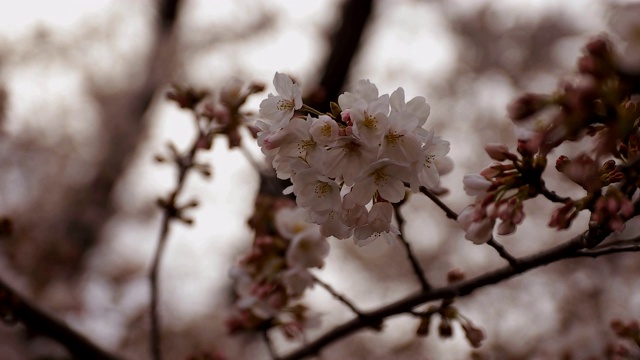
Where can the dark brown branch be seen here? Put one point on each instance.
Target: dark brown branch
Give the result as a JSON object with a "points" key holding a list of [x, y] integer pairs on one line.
{"points": [[454, 216], [503, 252], [337, 295], [415, 265], [370, 319], [450, 213], [343, 46], [19, 309]]}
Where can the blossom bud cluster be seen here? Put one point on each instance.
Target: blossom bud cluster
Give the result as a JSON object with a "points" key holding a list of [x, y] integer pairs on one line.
{"points": [[348, 166], [276, 272], [499, 190]]}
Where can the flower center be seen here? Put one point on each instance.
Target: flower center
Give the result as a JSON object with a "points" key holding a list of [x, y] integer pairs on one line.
{"points": [[285, 105]]}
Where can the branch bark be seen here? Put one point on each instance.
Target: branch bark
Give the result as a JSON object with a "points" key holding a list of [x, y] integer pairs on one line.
{"points": [[344, 44], [372, 319]]}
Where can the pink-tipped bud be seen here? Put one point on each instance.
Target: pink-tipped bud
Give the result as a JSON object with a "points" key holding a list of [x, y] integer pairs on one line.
{"points": [[497, 151]]}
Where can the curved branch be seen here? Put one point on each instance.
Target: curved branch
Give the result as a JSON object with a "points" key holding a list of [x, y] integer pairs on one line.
{"points": [[16, 307], [415, 264], [565, 250], [503, 253]]}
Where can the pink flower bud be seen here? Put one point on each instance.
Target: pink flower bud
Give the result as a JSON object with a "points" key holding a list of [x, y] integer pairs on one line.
{"points": [[498, 152]]}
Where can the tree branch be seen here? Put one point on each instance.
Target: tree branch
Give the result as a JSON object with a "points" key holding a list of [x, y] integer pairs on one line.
{"points": [[344, 44], [15, 307], [565, 250], [503, 252], [450, 213], [415, 265]]}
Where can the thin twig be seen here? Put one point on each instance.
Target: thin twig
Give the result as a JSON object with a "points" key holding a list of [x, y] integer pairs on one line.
{"points": [[450, 213], [171, 212], [503, 252], [415, 265], [630, 245], [269, 344], [337, 296], [545, 257]]}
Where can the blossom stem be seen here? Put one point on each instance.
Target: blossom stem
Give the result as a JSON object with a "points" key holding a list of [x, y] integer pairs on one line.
{"points": [[311, 110], [503, 252], [417, 269], [337, 295], [551, 195]]}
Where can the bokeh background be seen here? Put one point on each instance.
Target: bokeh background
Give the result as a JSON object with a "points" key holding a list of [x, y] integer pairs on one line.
{"points": [[83, 112]]}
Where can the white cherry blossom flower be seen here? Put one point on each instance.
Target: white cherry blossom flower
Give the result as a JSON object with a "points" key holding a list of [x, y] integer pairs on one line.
{"points": [[279, 109], [268, 140], [354, 214], [385, 177], [307, 249], [297, 280], [331, 224], [316, 191], [290, 221], [348, 158], [299, 143], [324, 131], [287, 166], [426, 169], [417, 106], [370, 119], [364, 90], [378, 224], [400, 143]]}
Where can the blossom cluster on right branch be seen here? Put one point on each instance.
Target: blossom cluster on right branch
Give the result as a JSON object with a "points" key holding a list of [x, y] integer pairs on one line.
{"points": [[601, 101]]}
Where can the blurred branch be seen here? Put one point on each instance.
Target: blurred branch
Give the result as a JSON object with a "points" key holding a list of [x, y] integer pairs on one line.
{"points": [[343, 45], [565, 250], [269, 344], [171, 211], [16, 308]]}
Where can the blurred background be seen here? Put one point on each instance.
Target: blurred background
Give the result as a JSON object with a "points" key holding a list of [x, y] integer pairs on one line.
{"points": [[83, 113]]}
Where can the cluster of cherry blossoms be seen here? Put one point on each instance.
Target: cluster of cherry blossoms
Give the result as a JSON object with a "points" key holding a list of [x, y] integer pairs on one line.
{"points": [[602, 101], [347, 167], [276, 273]]}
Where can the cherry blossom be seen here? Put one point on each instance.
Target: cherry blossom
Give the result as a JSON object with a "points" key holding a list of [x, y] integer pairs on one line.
{"points": [[279, 109]]}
